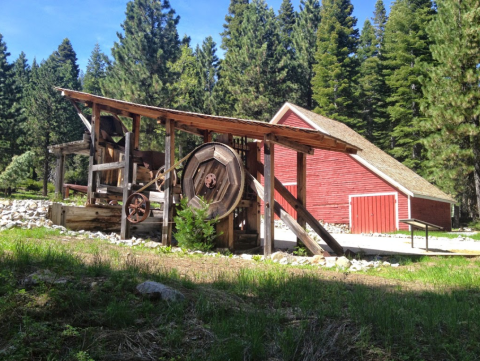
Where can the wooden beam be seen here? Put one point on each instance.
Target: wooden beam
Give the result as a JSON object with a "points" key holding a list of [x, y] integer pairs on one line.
{"points": [[316, 226], [94, 133], [168, 203], [127, 179], [289, 144], [136, 142], [239, 127], [285, 217], [253, 222], [301, 188], [80, 114], [60, 173], [115, 111], [207, 136], [108, 166], [269, 200]]}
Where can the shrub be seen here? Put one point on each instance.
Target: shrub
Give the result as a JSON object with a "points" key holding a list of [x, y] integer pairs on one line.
{"points": [[194, 229]]}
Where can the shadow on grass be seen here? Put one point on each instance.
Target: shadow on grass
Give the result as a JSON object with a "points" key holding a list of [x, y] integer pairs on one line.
{"points": [[248, 314]]}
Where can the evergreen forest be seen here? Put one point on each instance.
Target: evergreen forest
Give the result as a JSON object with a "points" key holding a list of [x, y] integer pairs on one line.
{"points": [[408, 81]]}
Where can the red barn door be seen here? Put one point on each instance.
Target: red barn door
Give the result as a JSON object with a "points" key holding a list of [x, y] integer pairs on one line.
{"points": [[376, 213]]}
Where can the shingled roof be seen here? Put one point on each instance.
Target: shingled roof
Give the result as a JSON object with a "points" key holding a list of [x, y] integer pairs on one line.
{"points": [[370, 156]]}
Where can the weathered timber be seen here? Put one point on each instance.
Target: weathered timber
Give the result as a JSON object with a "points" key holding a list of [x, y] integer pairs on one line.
{"points": [[269, 200], [168, 186], [94, 134], [253, 222], [60, 174], [287, 143], [316, 226], [127, 179], [301, 187], [215, 172], [96, 218], [286, 218], [224, 230], [108, 166], [82, 117], [217, 124], [136, 142]]}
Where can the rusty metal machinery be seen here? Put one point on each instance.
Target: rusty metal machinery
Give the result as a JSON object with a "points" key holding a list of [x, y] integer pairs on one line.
{"points": [[215, 172]]}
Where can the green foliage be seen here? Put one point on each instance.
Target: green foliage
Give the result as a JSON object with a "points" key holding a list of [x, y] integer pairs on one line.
{"points": [[140, 71], [335, 68], [11, 111], [452, 101], [207, 67], [304, 42], [194, 229], [406, 58], [254, 74], [96, 72], [77, 170], [17, 171]]}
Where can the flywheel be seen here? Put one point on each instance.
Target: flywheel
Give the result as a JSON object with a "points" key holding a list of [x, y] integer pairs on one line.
{"points": [[215, 172]]}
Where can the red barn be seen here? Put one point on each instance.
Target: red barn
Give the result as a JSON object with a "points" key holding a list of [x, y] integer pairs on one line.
{"points": [[370, 191]]}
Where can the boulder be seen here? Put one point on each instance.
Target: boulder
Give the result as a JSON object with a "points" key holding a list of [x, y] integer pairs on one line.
{"points": [[157, 290], [343, 262]]}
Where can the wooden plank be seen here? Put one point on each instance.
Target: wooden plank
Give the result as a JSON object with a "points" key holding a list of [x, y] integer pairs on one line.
{"points": [[240, 127], [168, 203], [59, 172], [269, 199], [301, 187], [287, 143], [207, 136], [94, 134], [80, 114], [316, 226], [108, 196], [127, 178], [224, 230], [108, 166], [285, 217], [114, 111], [253, 222]]}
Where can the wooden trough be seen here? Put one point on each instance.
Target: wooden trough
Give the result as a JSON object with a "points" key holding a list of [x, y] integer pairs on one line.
{"points": [[218, 171]]}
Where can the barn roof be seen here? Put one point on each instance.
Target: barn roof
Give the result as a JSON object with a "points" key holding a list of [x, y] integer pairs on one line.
{"points": [[199, 123], [370, 156]]}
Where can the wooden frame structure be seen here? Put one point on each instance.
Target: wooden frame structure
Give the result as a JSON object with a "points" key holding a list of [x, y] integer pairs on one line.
{"points": [[302, 140]]}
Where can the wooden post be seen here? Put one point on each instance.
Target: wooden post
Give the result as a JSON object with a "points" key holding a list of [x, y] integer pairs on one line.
{"points": [[301, 188], [269, 176], [94, 134], [253, 212], [207, 136], [136, 142], [224, 230], [127, 179], [60, 173], [168, 203]]}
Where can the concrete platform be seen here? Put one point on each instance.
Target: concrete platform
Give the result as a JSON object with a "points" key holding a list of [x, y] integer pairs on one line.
{"points": [[367, 245]]}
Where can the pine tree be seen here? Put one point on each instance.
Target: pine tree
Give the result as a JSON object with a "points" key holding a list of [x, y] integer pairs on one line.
{"points": [[207, 66], [379, 21], [304, 40], [10, 110], [233, 21], [65, 54], [335, 68], [453, 99], [406, 54], [286, 18], [140, 72], [96, 71], [254, 72], [51, 119]]}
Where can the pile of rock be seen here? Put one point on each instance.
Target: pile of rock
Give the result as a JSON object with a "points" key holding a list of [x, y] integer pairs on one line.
{"points": [[24, 213]]}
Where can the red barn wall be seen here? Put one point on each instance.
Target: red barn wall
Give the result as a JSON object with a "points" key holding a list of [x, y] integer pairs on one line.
{"points": [[434, 212], [331, 178]]}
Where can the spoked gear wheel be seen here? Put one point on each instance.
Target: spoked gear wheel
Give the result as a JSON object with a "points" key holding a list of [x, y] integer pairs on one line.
{"points": [[137, 208], [160, 182]]}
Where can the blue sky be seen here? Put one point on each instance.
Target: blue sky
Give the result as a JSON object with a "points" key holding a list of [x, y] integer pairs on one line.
{"points": [[38, 27]]}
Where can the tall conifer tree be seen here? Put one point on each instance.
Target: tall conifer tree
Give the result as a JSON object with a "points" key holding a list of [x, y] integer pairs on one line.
{"points": [[379, 21], [10, 109], [453, 98], [208, 64], [140, 72], [65, 54], [335, 68], [254, 71], [233, 21], [406, 53], [304, 39], [96, 71]]}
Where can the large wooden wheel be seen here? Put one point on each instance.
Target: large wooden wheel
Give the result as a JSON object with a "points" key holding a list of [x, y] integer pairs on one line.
{"points": [[215, 172]]}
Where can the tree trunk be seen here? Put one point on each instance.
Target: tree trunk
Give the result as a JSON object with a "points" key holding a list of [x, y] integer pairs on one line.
{"points": [[45, 165], [476, 173]]}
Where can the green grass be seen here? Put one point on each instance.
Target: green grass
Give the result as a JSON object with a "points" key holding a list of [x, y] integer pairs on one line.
{"points": [[260, 313], [475, 237]]}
